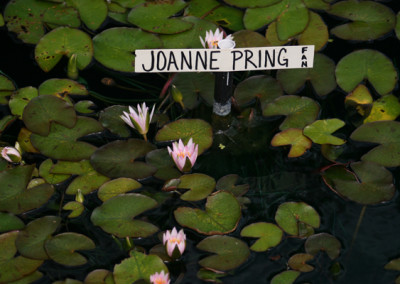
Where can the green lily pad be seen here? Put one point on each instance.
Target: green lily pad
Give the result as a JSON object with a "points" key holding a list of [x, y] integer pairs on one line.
{"points": [[88, 179], [138, 266], [370, 20], [269, 235], [251, 3], [61, 143], [6, 121], [360, 186], [10, 222], [229, 253], [110, 119], [160, 159], [23, 17], [14, 268], [255, 18], [195, 86], [129, 3], [30, 241], [42, 110], [44, 172], [62, 88], [265, 88], [156, 17], [317, 4], [295, 138], [84, 107], [221, 216], [315, 34], [68, 281], [394, 264], [31, 278], [385, 108], [246, 38], [323, 242], [388, 153], [397, 27], [114, 47], [320, 131], [20, 99], [99, 276], [76, 208], [298, 262], [117, 159], [1, 20], [229, 183], [321, 76], [271, 36], [61, 15], [366, 64], [6, 89], [197, 129], [63, 41], [210, 276], [199, 185], [92, 12], [117, 186], [62, 248], [299, 111], [290, 214], [285, 277], [116, 216]]}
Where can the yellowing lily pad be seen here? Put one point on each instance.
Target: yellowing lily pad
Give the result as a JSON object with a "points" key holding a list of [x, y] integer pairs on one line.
{"points": [[294, 137], [360, 95], [10, 222], [117, 186], [199, 185], [269, 235], [229, 252], [221, 216], [62, 88], [320, 131], [298, 262], [323, 242], [385, 108], [285, 277], [76, 208]]}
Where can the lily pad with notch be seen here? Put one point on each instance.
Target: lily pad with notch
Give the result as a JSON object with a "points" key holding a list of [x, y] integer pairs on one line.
{"points": [[117, 186], [92, 12], [99, 276], [285, 277], [75, 207], [210, 276], [298, 262], [200, 186], [385, 108], [269, 235], [294, 137], [323, 242], [320, 131], [160, 159], [44, 172], [231, 184]]}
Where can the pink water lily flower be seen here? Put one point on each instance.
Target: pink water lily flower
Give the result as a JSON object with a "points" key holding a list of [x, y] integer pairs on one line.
{"points": [[11, 154], [180, 153], [173, 239], [211, 40], [160, 278], [140, 119]]}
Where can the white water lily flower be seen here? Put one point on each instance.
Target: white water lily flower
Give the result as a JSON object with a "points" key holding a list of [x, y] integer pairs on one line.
{"points": [[174, 239], [140, 119], [180, 153], [211, 40]]}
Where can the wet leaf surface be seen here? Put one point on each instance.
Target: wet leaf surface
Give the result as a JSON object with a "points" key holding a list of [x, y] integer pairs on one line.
{"points": [[294, 137], [269, 235]]}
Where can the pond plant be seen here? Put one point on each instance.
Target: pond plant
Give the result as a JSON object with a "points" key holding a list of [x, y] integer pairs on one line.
{"points": [[131, 178]]}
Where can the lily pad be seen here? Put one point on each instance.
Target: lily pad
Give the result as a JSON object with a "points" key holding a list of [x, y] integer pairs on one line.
{"points": [[320, 131], [62, 248], [31, 278], [360, 186], [265, 88], [118, 159], [397, 27], [6, 121], [63, 41], [385, 108], [20, 99], [294, 137], [160, 159], [99, 276], [42, 110], [251, 3], [110, 119], [210, 276], [138, 266], [290, 214], [156, 17], [269, 235], [199, 185], [388, 153], [6, 89], [366, 64], [92, 12], [272, 36], [113, 47], [323, 242], [230, 183], [321, 76], [229, 253], [10, 222], [30, 241], [285, 277], [84, 107], [299, 111], [117, 186], [360, 95], [44, 172], [370, 20], [76, 208], [221, 216], [61, 15], [116, 216], [246, 38], [298, 262], [394, 264], [62, 88]]}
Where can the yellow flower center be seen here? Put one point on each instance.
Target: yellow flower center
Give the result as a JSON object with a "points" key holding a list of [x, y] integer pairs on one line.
{"points": [[214, 43], [174, 240]]}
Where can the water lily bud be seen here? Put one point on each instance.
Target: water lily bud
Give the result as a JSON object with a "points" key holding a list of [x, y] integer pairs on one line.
{"points": [[177, 95], [175, 242], [11, 154], [72, 69], [159, 278], [108, 81], [79, 196], [184, 156]]}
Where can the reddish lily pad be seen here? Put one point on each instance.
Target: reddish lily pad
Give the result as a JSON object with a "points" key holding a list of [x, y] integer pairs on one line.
{"points": [[269, 235], [230, 183], [229, 253], [323, 242], [295, 138], [221, 216], [117, 186], [20, 99], [199, 185], [115, 216], [92, 12], [320, 131], [298, 262], [76, 208], [285, 277], [6, 89], [118, 159], [110, 119], [10, 222]]}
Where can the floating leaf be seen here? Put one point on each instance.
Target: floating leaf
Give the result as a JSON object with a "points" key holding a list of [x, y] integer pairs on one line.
{"points": [[62, 248], [118, 159], [385, 108], [68, 281], [370, 20], [255, 18], [138, 266], [197, 129], [92, 12], [210, 276], [115, 216], [361, 186], [298, 262], [1, 20], [199, 185], [99, 276], [31, 278], [221, 216], [63, 41], [251, 3], [6, 89], [20, 99], [61, 143], [6, 121], [117, 186], [317, 4], [44, 172], [61, 15], [76, 208], [294, 137], [360, 95], [10, 222], [229, 252], [161, 159], [272, 36], [30, 241], [110, 119], [246, 38], [300, 111], [320, 131], [323, 242], [269, 235], [315, 34], [285, 277], [84, 107], [290, 214], [62, 88], [397, 28], [229, 183], [394, 264], [387, 154], [113, 47], [366, 64]]}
